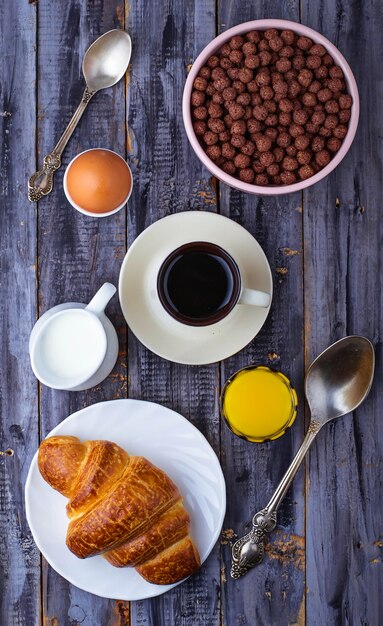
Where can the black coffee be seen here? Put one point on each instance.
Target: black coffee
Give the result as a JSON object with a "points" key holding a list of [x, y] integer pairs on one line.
{"points": [[198, 283]]}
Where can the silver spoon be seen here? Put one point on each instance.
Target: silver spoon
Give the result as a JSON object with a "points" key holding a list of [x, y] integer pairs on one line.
{"points": [[336, 383], [105, 62]]}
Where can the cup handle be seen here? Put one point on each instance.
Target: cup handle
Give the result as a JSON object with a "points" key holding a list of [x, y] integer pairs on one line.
{"points": [[254, 297], [101, 299]]}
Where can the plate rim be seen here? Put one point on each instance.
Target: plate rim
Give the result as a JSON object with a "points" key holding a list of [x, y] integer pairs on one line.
{"points": [[156, 588], [193, 214]]}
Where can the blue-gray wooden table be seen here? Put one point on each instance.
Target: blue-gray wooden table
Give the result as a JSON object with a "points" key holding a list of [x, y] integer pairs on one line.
{"points": [[324, 564]]}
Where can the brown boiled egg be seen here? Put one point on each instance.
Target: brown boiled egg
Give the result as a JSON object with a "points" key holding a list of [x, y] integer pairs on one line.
{"points": [[98, 181]]}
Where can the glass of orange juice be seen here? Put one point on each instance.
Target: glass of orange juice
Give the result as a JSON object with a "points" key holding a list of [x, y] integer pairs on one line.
{"points": [[258, 403]]}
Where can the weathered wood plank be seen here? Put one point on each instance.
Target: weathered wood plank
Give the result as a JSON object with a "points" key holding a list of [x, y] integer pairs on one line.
{"points": [[19, 557], [168, 178], [77, 253], [274, 592], [343, 296]]}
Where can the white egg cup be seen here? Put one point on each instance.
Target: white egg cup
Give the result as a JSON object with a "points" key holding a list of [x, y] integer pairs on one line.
{"points": [[107, 334]]}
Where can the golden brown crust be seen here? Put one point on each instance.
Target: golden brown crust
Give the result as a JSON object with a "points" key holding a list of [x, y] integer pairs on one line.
{"points": [[59, 461], [121, 506], [129, 507], [171, 565], [105, 463], [169, 528]]}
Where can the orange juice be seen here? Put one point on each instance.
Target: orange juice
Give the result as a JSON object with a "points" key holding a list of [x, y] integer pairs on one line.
{"points": [[258, 403]]}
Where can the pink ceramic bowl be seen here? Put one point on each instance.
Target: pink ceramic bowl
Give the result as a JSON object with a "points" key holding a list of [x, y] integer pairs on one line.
{"points": [[212, 48]]}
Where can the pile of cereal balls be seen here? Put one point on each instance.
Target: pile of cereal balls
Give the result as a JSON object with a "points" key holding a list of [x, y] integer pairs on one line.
{"points": [[271, 108]]}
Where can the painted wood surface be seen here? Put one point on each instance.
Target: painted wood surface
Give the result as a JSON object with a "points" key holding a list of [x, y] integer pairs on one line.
{"points": [[323, 564], [343, 243], [19, 426]]}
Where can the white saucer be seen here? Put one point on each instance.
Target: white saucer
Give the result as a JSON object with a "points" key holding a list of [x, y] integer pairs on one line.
{"points": [[112, 344], [169, 441], [149, 321]]}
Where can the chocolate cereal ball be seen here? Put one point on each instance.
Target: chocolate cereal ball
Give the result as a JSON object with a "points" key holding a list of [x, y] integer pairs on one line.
{"points": [[238, 127], [241, 161], [273, 169], [288, 178], [215, 110], [306, 171], [205, 72], [199, 128], [263, 143], [302, 142], [229, 168], [249, 48], [253, 36], [236, 111], [252, 62], [261, 179], [213, 152], [266, 158], [210, 138], [247, 175], [290, 164], [228, 151], [345, 101], [212, 62], [236, 42], [200, 113], [248, 148], [304, 157], [323, 158], [304, 43], [340, 131], [200, 83], [317, 144], [333, 144], [198, 98], [216, 125], [344, 116], [238, 141], [313, 62], [236, 56], [288, 37], [317, 49]]}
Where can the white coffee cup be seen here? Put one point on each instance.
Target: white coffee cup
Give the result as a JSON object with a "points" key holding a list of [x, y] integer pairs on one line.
{"points": [[70, 345]]}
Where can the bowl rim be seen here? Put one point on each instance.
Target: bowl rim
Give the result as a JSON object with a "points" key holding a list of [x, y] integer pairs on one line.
{"points": [[77, 206], [264, 24]]}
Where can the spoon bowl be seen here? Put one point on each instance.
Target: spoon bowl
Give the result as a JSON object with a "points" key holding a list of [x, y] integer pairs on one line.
{"points": [[340, 378], [107, 59]]}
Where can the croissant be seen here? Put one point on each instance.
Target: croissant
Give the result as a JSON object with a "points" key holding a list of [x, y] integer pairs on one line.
{"points": [[120, 506]]}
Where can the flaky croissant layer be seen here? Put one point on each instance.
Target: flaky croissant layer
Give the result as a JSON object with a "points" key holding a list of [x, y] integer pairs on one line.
{"points": [[121, 506]]}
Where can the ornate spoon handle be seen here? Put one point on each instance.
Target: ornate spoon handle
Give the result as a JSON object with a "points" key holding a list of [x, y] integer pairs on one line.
{"points": [[41, 182], [248, 550]]}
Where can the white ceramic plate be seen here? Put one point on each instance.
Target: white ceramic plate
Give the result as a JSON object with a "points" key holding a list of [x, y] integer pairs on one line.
{"points": [[149, 321], [166, 439]]}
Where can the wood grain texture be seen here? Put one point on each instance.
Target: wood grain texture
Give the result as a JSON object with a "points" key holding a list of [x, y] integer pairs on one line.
{"points": [[19, 557], [169, 178], [323, 564], [77, 254], [343, 296], [273, 593]]}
